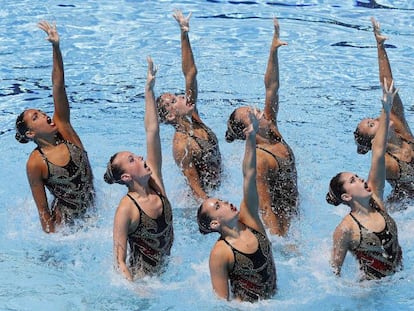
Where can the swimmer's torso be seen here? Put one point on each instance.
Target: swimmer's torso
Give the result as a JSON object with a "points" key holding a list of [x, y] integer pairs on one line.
{"points": [[151, 241], [71, 184]]}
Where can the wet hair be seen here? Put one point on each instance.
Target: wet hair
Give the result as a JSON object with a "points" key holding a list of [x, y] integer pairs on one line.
{"points": [[21, 129], [203, 220], [113, 172], [364, 142], [235, 128], [161, 109], [336, 189]]}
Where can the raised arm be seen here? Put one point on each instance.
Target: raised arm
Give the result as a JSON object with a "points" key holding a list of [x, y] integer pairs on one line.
{"points": [[386, 73], [187, 60], [376, 177], [271, 78], [152, 128], [249, 209], [61, 115]]}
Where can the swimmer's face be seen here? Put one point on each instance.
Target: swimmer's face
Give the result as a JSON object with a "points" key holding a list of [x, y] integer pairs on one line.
{"points": [[354, 187], [221, 212], [368, 127], [177, 105], [39, 123], [132, 165]]}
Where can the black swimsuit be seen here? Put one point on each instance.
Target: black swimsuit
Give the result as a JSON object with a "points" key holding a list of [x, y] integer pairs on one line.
{"points": [[283, 183], [71, 184], [403, 186], [253, 276], [151, 241], [208, 159], [379, 253]]}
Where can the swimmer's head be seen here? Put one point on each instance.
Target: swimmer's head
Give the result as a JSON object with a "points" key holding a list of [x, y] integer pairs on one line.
{"points": [[363, 142], [348, 188], [336, 189], [34, 124], [236, 125], [203, 220], [21, 129], [113, 172], [125, 168], [214, 213], [364, 133], [171, 107]]}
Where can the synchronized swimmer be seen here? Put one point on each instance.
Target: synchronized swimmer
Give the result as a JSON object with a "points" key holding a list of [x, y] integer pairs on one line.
{"points": [[60, 162], [399, 156], [195, 146], [276, 168], [241, 262], [368, 231]]}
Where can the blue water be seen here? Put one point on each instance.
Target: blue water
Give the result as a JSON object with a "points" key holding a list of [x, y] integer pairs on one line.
{"points": [[329, 81]]}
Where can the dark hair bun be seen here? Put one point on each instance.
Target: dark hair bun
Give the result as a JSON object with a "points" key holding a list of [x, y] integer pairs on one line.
{"points": [[108, 178], [21, 138], [229, 137], [331, 199]]}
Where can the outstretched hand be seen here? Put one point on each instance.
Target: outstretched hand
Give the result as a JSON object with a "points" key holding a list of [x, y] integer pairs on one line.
{"points": [[276, 40], [152, 71], [377, 31], [388, 95], [182, 20], [52, 34]]}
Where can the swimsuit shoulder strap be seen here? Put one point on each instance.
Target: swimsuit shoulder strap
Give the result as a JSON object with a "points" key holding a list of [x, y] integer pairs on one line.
{"points": [[67, 143], [135, 202], [41, 153], [225, 241], [139, 207], [158, 192], [360, 226], [393, 156], [270, 153], [40, 150], [406, 140], [356, 220], [255, 232], [207, 129]]}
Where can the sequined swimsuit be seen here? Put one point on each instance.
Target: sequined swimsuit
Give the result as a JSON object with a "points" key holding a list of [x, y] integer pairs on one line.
{"points": [[253, 276], [403, 186], [151, 242], [283, 183], [70, 184], [379, 253], [208, 159]]}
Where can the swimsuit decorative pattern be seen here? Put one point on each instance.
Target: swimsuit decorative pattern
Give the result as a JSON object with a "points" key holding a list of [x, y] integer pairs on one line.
{"points": [[283, 183], [71, 184], [403, 187], [253, 276], [379, 253], [208, 159], [151, 242]]}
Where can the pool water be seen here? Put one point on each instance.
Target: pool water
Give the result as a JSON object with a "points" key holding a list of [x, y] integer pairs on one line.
{"points": [[329, 81]]}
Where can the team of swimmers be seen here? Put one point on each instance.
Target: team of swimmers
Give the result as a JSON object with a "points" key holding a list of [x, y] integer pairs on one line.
{"points": [[241, 261]]}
